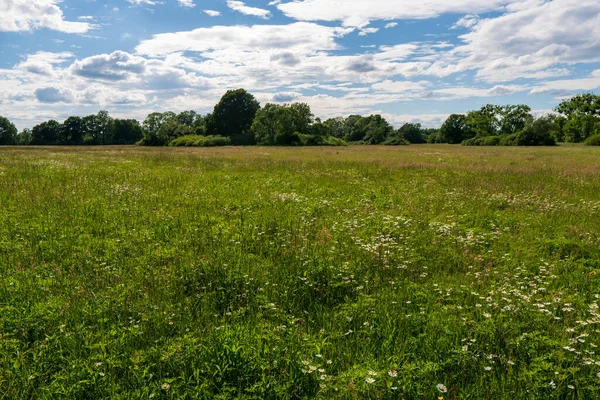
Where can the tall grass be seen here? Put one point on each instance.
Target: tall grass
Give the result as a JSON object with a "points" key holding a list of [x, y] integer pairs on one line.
{"points": [[264, 273]]}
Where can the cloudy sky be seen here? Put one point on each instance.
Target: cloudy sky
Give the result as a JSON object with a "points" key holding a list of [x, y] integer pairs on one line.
{"points": [[409, 60]]}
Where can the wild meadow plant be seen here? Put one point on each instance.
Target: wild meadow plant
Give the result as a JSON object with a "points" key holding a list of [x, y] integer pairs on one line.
{"points": [[420, 272]]}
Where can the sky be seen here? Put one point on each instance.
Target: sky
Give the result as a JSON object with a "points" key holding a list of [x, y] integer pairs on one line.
{"points": [[408, 60]]}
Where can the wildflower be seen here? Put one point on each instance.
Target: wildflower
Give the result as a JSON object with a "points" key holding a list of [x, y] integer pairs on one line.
{"points": [[165, 386], [571, 387], [552, 385], [372, 373], [393, 373], [305, 362], [323, 377], [318, 355], [394, 388], [329, 362], [370, 380], [488, 368], [441, 388]]}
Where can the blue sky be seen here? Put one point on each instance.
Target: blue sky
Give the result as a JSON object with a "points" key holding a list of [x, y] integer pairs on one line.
{"points": [[409, 60]]}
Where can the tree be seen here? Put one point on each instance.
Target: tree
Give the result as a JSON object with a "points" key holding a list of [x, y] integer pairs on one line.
{"points": [[579, 127], [187, 117], [536, 133], [454, 130], [127, 131], [171, 130], [46, 133], [412, 133], [8, 132], [586, 103], [483, 122], [302, 117], [73, 129], [25, 137], [514, 118], [152, 124], [274, 124], [582, 113], [234, 114]]}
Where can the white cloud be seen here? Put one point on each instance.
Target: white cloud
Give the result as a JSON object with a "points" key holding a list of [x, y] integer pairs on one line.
{"points": [[391, 25], [468, 21], [42, 63], [528, 42], [241, 7], [212, 13], [29, 15], [187, 3], [300, 37], [367, 31], [360, 13]]}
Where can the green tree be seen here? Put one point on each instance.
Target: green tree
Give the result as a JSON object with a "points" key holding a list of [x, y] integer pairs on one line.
{"points": [[579, 127], [483, 122], [536, 133], [302, 117], [152, 124], [412, 132], [127, 131], [274, 124], [454, 130], [73, 129], [514, 118], [234, 114], [46, 133], [25, 137], [586, 104], [8, 132]]}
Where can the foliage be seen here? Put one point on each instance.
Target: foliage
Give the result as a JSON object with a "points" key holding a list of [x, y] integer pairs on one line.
{"points": [[200, 141], [454, 130], [593, 140], [8, 132], [46, 133], [233, 114], [413, 133], [581, 117]]}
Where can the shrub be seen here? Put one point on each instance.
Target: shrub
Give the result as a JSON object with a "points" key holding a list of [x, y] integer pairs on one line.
{"points": [[311, 140], [593, 140], [334, 141], [396, 141], [200, 141], [508, 140]]}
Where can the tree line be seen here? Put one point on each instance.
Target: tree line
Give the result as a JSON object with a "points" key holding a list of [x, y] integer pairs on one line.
{"points": [[238, 119]]}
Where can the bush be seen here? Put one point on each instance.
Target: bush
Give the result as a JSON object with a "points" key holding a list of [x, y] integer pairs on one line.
{"points": [[593, 140], [311, 140], [334, 141], [395, 141], [200, 141], [508, 140]]}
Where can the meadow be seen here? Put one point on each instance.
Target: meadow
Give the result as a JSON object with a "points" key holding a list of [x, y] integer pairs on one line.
{"points": [[361, 272]]}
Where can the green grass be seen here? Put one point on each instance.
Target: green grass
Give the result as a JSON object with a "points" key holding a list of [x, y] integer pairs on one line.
{"points": [[352, 273]]}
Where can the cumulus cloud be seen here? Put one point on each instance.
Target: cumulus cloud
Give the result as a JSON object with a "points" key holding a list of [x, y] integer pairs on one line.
{"points": [[300, 37], [53, 95], [113, 67], [29, 15], [284, 97], [43, 63], [241, 7], [187, 3], [360, 13], [528, 42], [212, 13]]}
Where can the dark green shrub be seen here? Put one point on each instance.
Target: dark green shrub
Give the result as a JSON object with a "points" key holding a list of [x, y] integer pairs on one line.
{"points": [[593, 140], [334, 141], [200, 141]]}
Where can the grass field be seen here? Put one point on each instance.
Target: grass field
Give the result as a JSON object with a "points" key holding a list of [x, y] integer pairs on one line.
{"points": [[265, 273]]}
